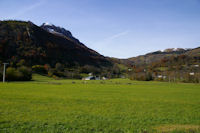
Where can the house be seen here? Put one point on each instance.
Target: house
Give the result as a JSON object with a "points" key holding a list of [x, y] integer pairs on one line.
{"points": [[90, 74], [97, 78], [129, 69], [104, 78], [93, 78], [191, 74], [89, 78]]}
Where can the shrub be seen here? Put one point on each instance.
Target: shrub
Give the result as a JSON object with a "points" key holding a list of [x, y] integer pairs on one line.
{"points": [[21, 62], [12, 74], [39, 69], [20, 74], [142, 76], [59, 67], [27, 74]]}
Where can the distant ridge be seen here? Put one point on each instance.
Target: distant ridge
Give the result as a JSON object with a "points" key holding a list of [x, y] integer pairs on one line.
{"points": [[167, 53]]}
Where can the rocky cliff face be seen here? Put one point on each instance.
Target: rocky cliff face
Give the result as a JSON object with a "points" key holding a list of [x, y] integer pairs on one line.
{"points": [[60, 32]]}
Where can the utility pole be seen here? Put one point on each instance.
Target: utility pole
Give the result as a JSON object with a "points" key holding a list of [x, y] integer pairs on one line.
{"points": [[4, 71]]}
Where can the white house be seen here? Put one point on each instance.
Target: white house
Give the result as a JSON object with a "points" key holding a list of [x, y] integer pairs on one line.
{"points": [[89, 78], [104, 78], [192, 74]]}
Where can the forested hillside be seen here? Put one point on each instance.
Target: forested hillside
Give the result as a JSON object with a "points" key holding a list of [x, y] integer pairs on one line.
{"points": [[170, 65], [24, 40], [24, 44]]}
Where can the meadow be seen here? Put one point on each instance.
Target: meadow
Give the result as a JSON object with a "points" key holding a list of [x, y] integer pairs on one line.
{"points": [[45, 105]]}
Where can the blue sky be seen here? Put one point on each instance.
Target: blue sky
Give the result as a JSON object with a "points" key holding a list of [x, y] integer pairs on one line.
{"points": [[116, 28]]}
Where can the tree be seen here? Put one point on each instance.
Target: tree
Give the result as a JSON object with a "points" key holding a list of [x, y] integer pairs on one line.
{"points": [[27, 74], [47, 67], [59, 67], [12, 74], [21, 74], [21, 63], [39, 69]]}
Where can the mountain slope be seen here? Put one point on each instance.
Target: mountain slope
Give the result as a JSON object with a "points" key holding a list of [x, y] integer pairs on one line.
{"points": [[158, 55], [193, 52], [60, 32], [24, 40]]}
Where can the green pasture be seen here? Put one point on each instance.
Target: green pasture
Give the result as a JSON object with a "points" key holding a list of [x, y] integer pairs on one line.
{"points": [[118, 105]]}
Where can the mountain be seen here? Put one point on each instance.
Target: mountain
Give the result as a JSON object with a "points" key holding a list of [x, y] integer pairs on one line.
{"points": [[22, 41], [193, 52], [159, 55], [56, 30], [47, 44], [171, 65]]}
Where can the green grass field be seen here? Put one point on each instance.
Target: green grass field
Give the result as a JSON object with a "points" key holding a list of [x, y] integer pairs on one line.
{"points": [[118, 105]]}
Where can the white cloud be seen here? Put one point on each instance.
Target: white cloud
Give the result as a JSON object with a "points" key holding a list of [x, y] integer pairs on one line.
{"points": [[117, 35], [112, 38]]}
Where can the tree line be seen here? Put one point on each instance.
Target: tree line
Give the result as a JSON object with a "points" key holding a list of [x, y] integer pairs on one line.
{"points": [[181, 68], [22, 71]]}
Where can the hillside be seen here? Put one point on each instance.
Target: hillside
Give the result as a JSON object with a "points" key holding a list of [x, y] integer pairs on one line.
{"points": [[193, 52], [54, 51], [172, 65], [159, 55], [25, 40]]}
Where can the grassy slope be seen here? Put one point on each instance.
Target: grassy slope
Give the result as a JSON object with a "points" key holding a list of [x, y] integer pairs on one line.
{"points": [[48, 105]]}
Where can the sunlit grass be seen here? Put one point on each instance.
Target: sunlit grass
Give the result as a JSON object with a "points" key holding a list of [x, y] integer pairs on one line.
{"points": [[118, 105]]}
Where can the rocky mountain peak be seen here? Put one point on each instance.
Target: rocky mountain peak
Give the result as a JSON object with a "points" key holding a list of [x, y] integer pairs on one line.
{"points": [[51, 28]]}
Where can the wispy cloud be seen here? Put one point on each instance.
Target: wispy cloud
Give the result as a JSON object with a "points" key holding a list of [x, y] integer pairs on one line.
{"points": [[117, 35], [112, 38], [27, 9]]}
